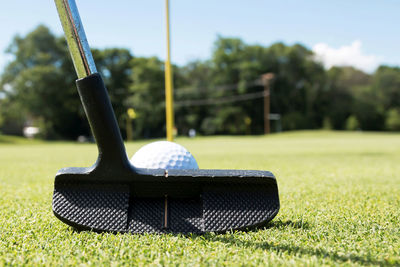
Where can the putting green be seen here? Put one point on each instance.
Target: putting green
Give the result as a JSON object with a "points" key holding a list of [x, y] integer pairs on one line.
{"points": [[340, 204]]}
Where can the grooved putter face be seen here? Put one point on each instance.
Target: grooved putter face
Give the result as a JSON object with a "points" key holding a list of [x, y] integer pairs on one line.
{"points": [[114, 196], [146, 201]]}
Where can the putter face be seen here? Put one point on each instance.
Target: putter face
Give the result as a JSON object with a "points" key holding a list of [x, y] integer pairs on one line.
{"points": [[114, 196], [189, 201]]}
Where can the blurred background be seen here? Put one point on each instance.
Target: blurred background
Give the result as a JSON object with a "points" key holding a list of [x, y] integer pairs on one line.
{"points": [[239, 67]]}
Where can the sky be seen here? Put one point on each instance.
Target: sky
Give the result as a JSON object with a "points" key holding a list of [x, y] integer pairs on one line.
{"points": [[364, 34]]}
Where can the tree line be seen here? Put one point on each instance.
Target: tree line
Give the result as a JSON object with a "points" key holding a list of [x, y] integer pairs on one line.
{"points": [[215, 96]]}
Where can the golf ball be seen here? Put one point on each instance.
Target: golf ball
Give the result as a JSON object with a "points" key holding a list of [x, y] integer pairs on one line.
{"points": [[164, 155]]}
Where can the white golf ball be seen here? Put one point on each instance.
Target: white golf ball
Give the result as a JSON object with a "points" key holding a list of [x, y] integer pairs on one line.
{"points": [[164, 155]]}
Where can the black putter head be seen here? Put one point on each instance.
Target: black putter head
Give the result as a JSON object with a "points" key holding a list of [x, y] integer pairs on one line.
{"points": [[113, 195]]}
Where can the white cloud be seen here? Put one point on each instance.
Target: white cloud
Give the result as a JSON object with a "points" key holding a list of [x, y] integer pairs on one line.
{"points": [[347, 55]]}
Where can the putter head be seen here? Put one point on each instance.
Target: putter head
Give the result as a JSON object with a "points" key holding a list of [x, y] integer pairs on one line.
{"points": [[158, 201]]}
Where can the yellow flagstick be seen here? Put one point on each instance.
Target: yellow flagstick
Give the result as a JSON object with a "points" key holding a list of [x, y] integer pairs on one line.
{"points": [[168, 84]]}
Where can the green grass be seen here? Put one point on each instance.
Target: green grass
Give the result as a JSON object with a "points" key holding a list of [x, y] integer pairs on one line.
{"points": [[7, 139], [340, 205]]}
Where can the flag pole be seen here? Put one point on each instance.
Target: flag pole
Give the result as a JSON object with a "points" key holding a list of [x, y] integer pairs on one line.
{"points": [[169, 110]]}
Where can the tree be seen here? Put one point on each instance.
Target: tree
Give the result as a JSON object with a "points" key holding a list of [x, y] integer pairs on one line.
{"points": [[294, 93], [386, 86], [393, 119], [40, 83], [345, 88], [192, 82], [38, 88], [147, 96]]}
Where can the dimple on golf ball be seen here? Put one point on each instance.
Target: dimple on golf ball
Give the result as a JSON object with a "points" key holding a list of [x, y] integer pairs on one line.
{"points": [[164, 155]]}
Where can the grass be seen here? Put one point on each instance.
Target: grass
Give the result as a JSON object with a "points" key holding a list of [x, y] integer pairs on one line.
{"points": [[340, 205]]}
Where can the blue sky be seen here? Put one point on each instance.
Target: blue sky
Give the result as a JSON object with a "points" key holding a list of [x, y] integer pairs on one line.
{"points": [[359, 33]]}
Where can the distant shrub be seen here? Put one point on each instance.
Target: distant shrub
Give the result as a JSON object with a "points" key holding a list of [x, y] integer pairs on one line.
{"points": [[294, 121], [392, 122], [352, 123], [327, 124]]}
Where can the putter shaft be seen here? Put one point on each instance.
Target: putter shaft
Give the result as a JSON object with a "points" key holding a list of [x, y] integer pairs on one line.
{"points": [[76, 38]]}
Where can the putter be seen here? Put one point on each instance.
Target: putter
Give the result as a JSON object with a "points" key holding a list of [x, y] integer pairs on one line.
{"points": [[114, 196]]}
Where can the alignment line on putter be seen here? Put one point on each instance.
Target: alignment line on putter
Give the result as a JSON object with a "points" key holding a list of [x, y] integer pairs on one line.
{"points": [[166, 212]]}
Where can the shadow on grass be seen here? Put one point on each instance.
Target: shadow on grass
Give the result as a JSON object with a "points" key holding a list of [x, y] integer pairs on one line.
{"points": [[296, 250], [232, 240]]}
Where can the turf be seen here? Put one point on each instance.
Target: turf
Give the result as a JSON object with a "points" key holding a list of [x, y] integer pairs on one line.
{"points": [[340, 205]]}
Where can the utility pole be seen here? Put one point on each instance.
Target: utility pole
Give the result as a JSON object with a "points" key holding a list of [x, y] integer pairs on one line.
{"points": [[266, 80], [169, 101]]}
